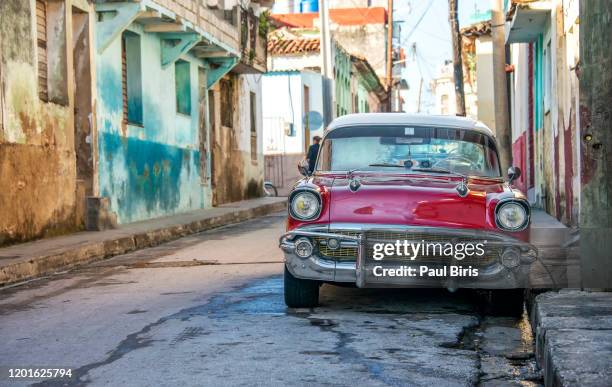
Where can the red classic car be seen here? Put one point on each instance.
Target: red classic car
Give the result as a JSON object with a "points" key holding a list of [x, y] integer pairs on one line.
{"points": [[386, 188]]}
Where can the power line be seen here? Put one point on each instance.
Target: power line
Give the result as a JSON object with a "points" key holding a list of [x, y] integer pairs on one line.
{"points": [[420, 19]]}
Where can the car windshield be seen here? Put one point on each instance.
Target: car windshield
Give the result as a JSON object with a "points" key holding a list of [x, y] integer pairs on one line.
{"points": [[409, 149]]}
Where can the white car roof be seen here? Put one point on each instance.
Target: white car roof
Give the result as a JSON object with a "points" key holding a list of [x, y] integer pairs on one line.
{"points": [[361, 119]]}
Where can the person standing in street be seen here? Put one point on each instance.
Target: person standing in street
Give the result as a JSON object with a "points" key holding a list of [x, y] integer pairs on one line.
{"points": [[313, 151]]}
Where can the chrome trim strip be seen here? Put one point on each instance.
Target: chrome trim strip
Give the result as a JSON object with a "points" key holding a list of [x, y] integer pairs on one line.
{"points": [[452, 232], [360, 263]]}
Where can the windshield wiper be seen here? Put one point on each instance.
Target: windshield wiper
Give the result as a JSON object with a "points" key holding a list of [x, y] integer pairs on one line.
{"points": [[386, 165], [462, 188], [439, 170]]}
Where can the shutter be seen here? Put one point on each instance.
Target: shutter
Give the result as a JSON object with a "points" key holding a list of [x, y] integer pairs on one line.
{"points": [[124, 81], [41, 37]]}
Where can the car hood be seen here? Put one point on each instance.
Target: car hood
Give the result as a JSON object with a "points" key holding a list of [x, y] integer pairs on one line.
{"points": [[411, 200]]}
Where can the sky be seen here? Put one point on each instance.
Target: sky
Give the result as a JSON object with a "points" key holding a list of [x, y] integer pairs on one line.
{"points": [[426, 25]]}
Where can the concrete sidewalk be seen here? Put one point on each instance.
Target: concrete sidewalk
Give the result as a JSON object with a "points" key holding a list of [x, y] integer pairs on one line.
{"points": [[573, 333], [46, 256]]}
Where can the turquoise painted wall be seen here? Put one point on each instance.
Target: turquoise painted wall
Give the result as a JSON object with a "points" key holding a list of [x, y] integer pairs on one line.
{"points": [[362, 98], [342, 66], [538, 83], [150, 170]]}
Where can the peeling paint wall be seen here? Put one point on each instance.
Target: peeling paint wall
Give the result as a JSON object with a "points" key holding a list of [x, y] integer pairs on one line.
{"points": [[38, 195], [237, 175], [153, 169], [368, 40], [545, 100]]}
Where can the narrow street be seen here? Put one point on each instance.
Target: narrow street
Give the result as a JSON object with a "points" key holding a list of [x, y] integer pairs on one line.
{"points": [[208, 309]]}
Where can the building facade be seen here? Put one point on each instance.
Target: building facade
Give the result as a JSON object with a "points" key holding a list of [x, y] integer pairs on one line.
{"points": [[136, 110], [358, 30], [47, 145], [443, 89], [477, 55], [294, 101], [543, 38]]}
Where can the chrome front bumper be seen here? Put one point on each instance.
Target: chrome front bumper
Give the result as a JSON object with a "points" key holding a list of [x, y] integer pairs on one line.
{"points": [[361, 270]]}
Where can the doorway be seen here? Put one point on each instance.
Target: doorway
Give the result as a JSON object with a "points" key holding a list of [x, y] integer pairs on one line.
{"points": [[83, 134], [203, 120], [213, 142]]}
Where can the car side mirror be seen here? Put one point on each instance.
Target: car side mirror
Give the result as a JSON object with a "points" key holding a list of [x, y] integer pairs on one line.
{"points": [[513, 173], [303, 169]]}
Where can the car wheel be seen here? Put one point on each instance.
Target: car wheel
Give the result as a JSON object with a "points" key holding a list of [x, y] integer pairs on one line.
{"points": [[300, 293], [506, 302]]}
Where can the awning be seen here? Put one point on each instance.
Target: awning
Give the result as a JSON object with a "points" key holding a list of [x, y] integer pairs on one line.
{"points": [[178, 35], [528, 22]]}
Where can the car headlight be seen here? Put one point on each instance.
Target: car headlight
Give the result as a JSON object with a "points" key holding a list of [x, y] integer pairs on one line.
{"points": [[304, 205], [512, 216]]}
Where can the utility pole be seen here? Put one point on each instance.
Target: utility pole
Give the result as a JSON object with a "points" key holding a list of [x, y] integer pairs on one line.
{"points": [[453, 18], [326, 65], [390, 52], [326, 59], [595, 138], [500, 92]]}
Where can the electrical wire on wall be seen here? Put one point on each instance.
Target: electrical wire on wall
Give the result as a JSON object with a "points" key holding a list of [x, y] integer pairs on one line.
{"points": [[291, 103]]}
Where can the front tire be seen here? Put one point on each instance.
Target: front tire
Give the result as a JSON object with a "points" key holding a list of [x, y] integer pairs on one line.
{"points": [[300, 293], [505, 302]]}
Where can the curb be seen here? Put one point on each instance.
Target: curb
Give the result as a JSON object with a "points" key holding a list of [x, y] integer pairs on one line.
{"points": [[89, 252], [573, 332]]}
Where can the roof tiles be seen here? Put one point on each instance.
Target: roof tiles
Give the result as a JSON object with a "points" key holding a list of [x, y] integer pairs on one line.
{"points": [[293, 46]]}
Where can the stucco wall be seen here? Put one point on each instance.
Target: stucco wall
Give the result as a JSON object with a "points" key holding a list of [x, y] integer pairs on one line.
{"points": [[554, 183], [367, 40], [283, 103], [484, 77], [37, 157], [294, 62], [150, 170], [237, 176]]}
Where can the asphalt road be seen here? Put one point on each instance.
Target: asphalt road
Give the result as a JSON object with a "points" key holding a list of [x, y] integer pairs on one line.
{"points": [[208, 310]]}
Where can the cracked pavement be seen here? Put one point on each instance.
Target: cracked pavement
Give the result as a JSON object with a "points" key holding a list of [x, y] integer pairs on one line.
{"points": [[208, 309]]}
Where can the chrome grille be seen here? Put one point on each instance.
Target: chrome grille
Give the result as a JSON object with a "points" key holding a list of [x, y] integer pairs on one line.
{"points": [[492, 253], [340, 254]]}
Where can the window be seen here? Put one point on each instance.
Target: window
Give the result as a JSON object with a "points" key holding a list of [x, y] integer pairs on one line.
{"points": [[253, 104], [444, 104], [131, 78], [182, 80], [227, 111], [387, 148], [41, 37], [51, 51]]}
